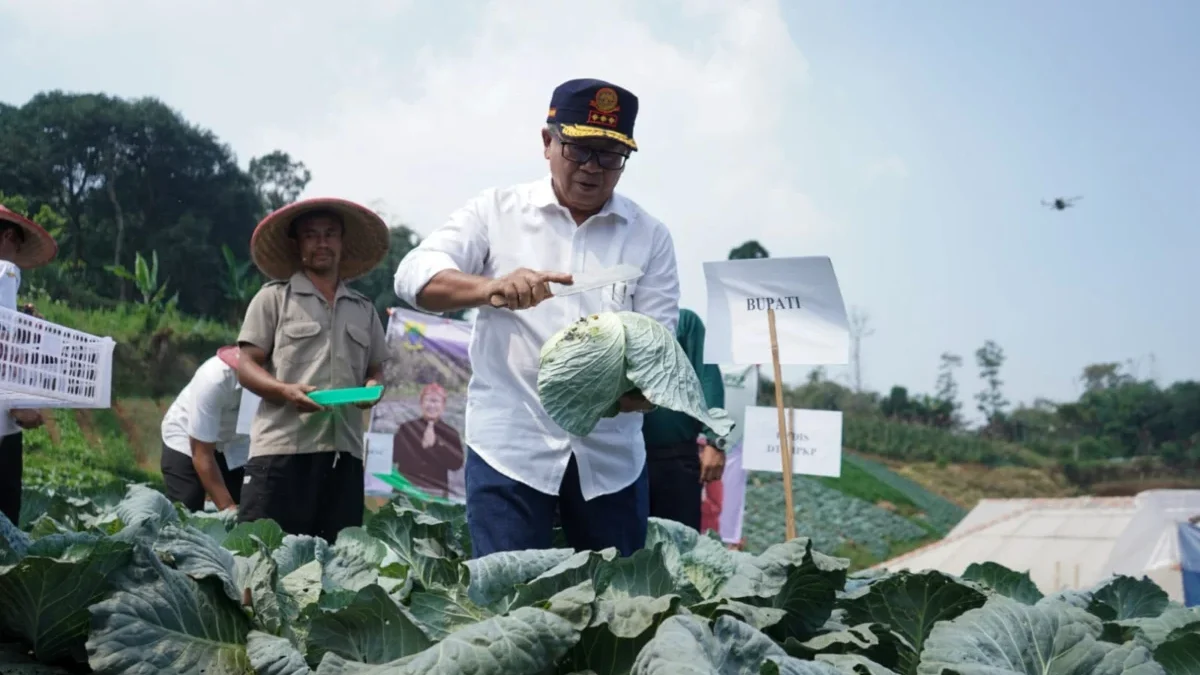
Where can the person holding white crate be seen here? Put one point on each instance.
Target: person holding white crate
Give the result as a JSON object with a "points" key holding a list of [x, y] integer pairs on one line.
{"points": [[24, 245], [202, 452]]}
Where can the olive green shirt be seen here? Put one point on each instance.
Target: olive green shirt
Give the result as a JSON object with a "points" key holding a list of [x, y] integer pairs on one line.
{"points": [[309, 342], [665, 429]]}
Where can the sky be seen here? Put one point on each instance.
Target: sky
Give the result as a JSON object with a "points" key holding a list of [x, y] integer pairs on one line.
{"points": [[912, 143]]}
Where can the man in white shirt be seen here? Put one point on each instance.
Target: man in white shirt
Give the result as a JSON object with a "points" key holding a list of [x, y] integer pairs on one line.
{"points": [[23, 245], [498, 253], [202, 452]]}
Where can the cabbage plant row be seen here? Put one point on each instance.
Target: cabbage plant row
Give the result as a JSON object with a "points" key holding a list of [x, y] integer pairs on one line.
{"points": [[828, 517], [131, 585]]}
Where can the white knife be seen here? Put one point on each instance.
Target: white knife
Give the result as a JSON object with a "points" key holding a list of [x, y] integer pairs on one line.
{"points": [[590, 281], [587, 281]]}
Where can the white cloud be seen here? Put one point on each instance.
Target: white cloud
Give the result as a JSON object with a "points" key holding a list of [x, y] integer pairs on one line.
{"points": [[886, 167], [423, 126]]}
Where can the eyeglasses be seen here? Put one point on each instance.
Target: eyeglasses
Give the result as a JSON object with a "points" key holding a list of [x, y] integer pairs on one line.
{"points": [[582, 154]]}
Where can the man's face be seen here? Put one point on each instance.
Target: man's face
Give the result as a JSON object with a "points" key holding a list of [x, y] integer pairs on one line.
{"points": [[320, 242], [577, 166], [432, 406], [10, 243]]}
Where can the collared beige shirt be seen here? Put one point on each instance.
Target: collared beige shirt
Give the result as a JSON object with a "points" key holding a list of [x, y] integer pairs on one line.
{"points": [[309, 342]]}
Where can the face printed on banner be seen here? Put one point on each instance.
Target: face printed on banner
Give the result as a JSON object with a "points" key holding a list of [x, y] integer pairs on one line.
{"points": [[433, 404]]}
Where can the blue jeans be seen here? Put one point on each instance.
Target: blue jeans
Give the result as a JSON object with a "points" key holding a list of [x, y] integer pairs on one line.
{"points": [[505, 515]]}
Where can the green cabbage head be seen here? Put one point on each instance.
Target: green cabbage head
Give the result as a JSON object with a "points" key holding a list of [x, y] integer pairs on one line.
{"points": [[587, 367]]}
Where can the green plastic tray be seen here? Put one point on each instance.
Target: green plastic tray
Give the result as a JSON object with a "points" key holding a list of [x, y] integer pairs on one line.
{"points": [[346, 396], [402, 484]]}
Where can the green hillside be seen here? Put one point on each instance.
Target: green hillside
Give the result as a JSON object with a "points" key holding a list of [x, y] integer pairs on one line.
{"points": [[902, 484], [153, 215]]}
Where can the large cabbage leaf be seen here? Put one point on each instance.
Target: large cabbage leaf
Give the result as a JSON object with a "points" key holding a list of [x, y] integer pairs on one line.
{"points": [[588, 366], [44, 599], [1007, 637]]}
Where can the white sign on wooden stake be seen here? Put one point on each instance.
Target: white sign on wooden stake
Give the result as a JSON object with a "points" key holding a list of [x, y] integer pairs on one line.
{"points": [[810, 317], [816, 441]]}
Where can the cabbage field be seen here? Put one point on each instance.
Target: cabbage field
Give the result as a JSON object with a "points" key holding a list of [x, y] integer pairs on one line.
{"points": [[126, 583], [827, 516]]}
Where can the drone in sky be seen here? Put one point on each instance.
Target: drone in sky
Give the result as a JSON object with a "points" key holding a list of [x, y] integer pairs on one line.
{"points": [[1061, 203]]}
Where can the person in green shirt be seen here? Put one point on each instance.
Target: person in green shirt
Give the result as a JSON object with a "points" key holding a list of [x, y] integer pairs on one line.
{"points": [[682, 454]]}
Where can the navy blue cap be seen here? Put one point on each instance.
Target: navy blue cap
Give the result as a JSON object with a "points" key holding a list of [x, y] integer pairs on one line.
{"points": [[594, 108]]}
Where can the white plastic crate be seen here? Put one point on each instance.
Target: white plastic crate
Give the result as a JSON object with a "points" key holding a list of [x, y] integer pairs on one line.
{"points": [[45, 365]]}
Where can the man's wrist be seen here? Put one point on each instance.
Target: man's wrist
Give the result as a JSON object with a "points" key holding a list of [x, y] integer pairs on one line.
{"points": [[711, 440], [483, 292]]}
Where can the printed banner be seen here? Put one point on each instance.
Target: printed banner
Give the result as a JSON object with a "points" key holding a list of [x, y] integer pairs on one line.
{"points": [[810, 317], [416, 430], [724, 502], [816, 441]]}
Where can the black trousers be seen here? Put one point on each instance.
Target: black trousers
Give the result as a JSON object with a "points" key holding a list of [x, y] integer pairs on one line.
{"points": [[12, 464], [317, 494], [183, 483], [675, 489]]}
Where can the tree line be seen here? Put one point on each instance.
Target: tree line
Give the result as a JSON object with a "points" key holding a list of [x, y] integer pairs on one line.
{"points": [[151, 209], [1120, 415], [146, 206]]}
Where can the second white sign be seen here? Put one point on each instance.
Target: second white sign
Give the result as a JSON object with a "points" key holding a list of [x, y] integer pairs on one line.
{"points": [[816, 441]]}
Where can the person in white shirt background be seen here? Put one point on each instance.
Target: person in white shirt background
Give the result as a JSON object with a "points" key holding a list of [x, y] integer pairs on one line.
{"points": [[202, 452], [24, 245], [498, 253]]}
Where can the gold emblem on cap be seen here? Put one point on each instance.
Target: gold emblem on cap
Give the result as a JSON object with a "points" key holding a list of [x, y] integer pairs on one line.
{"points": [[606, 100]]}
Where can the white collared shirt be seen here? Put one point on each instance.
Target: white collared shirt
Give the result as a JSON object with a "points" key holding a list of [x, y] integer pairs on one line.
{"points": [[10, 285], [502, 230], [207, 410]]}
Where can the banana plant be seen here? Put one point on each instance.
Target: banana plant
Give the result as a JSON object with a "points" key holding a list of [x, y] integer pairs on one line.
{"points": [[145, 279], [240, 283]]}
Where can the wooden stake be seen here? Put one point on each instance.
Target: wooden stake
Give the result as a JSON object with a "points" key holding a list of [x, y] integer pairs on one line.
{"points": [[785, 441]]}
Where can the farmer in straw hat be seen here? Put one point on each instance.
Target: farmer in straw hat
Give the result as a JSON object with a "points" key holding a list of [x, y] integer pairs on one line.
{"points": [[24, 245], [308, 330], [498, 253], [202, 452]]}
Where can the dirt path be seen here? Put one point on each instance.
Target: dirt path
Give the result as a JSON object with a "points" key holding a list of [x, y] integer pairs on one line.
{"points": [[84, 419], [51, 426], [132, 433]]}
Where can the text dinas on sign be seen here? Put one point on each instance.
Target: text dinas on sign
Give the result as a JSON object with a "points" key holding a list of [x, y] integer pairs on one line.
{"points": [[765, 303]]}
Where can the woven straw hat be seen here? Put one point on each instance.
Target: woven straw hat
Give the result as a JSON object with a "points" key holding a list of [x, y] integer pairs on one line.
{"points": [[364, 244], [38, 248], [229, 355]]}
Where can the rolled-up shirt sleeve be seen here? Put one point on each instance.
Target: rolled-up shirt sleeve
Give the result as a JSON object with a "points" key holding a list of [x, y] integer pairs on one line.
{"points": [[657, 294], [460, 244]]}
